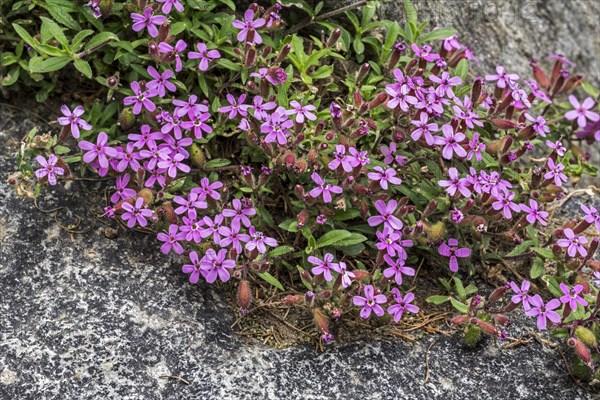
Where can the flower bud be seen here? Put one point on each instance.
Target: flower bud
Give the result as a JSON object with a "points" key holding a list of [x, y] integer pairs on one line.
{"points": [[321, 320], [293, 299], [302, 218], [461, 319], [378, 100], [333, 37], [285, 50], [126, 119], [497, 294], [197, 156], [361, 275], [540, 76], [147, 195], [167, 212], [476, 90], [586, 336], [244, 296], [486, 327], [431, 207], [501, 319], [580, 348], [362, 72], [112, 81]]}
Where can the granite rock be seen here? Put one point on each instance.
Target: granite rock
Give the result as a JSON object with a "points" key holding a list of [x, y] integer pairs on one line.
{"points": [[87, 317]]}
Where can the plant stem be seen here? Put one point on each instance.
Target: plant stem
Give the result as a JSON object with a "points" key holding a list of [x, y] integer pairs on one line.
{"points": [[329, 14]]}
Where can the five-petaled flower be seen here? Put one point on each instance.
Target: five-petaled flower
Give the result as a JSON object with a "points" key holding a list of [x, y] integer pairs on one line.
{"points": [[397, 269], [147, 21], [323, 189], [386, 215], [100, 150], [324, 266], [592, 216], [194, 269], [136, 213], [535, 213], [503, 79], [402, 304], [370, 302], [248, 33], [49, 168], [573, 243], [140, 99], [521, 294], [384, 176], [455, 184], [582, 112], [216, 264], [73, 120], [171, 239], [571, 296], [205, 56], [542, 311], [451, 250]]}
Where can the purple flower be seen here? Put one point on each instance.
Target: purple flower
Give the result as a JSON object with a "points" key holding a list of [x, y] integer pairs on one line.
{"points": [[239, 213], [400, 97], [216, 264], [451, 250], [543, 312], [136, 213], [235, 106], [455, 184], [397, 269], [147, 21], [425, 53], [324, 189], [502, 77], [189, 205], [573, 244], [72, 119], [475, 148], [99, 150], [451, 143], [259, 242], [123, 192], [555, 172], [340, 158], [205, 56], [49, 169], [232, 236], [424, 128], [561, 58], [389, 153], [470, 117], [592, 215], [371, 302], [173, 52], [386, 215], [582, 112], [140, 99], [160, 81], [504, 202], [212, 227], [571, 296], [248, 28], [145, 137], [189, 107], [347, 276], [445, 83], [402, 303], [168, 4], [197, 123], [358, 158], [324, 266], [535, 213], [171, 240], [208, 189], [128, 158], [260, 108], [302, 112], [521, 295], [391, 241], [384, 176], [263, 73], [277, 127], [194, 269], [173, 164], [321, 219], [539, 124]]}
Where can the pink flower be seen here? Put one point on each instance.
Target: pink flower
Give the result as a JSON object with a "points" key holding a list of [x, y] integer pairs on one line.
{"points": [[557, 146], [171, 240], [539, 124], [521, 295], [475, 148], [340, 158], [504, 202], [386, 215], [194, 269], [571, 296], [455, 184], [136, 213], [573, 244], [451, 250], [100, 150], [49, 169], [371, 302], [555, 172], [445, 83], [302, 112], [424, 128], [323, 189], [534, 213], [425, 53], [248, 28], [402, 304], [543, 311], [502, 77], [216, 264], [147, 21], [72, 119], [235, 106], [160, 81], [140, 99], [239, 213], [451, 143], [397, 269], [324, 266], [582, 112], [259, 241], [173, 52], [168, 4], [591, 215], [205, 56], [384, 176]]}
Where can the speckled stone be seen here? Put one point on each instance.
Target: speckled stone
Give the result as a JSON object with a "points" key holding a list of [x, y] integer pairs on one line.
{"points": [[86, 317]]}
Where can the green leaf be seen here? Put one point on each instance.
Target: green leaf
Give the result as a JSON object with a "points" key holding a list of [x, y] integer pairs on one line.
{"points": [[589, 89], [58, 150], [83, 67], [358, 45], [411, 13], [546, 253], [537, 268], [79, 38], [218, 163], [461, 307], [520, 248], [270, 279], [460, 289], [101, 38], [280, 251], [437, 299], [344, 215], [290, 225], [228, 64], [50, 50], [532, 233], [55, 31], [353, 239], [24, 35], [323, 72], [50, 65], [353, 19], [441, 33], [462, 69], [332, 238]]}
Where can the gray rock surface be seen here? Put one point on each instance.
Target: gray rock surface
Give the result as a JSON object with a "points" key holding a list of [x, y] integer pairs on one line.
{"points": [[86, 317]]}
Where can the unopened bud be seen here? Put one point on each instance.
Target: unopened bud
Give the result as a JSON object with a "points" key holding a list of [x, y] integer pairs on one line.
{"points": [[461, 319], [285, 50], [497, 294], [126, 119], [501, 319], [244, 296], [586, 336], [333, 38], [362, 72], [302, 218], [197, 156], [361, 275], [147, 195], [321, 320], [580, 348]]}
